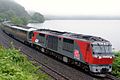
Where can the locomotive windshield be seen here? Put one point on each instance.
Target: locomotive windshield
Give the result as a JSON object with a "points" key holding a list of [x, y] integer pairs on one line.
{"points": [[102, 49]]}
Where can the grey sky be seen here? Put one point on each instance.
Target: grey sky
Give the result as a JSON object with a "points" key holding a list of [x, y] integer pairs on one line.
{"points": [[74, 7]]}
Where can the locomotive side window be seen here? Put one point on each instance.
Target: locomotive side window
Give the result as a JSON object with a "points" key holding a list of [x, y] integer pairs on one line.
{"points": [[41, 38], [31, 35], [59, 38], [22, 31], [68, 44]]}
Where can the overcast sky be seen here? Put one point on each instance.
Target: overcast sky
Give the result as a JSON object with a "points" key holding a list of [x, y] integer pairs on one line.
{"points": [[73, 7]]}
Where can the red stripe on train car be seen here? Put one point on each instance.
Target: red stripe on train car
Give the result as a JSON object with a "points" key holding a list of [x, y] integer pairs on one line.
{"points": [[34, 37]]}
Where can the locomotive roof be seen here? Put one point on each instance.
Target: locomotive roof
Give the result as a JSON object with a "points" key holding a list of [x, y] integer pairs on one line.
{"points": [[73, 35]]}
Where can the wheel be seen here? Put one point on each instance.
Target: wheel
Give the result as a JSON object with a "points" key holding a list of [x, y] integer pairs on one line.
{"points": [[65, 59], [42, 50]]}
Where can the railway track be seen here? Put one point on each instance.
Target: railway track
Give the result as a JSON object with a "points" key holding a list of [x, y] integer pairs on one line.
{"points": [[51, 72], [55, 74], [111, 77], [46, 69]]}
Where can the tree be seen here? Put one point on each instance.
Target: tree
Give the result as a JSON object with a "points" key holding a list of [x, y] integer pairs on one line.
{"points": [[2, 16], [18, 21], [25, 20], [38, 17]]}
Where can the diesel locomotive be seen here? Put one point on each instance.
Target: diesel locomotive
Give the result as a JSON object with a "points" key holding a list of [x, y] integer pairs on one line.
{"points": [[88, 52]]}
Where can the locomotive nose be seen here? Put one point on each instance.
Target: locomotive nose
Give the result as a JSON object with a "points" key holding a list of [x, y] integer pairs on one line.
{"points": [[101, 68]]}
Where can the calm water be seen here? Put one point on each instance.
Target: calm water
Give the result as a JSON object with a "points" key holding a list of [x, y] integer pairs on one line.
{"points": [[107, 29]]}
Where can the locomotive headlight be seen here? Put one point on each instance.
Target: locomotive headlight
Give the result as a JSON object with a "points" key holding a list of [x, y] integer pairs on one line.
{"points": [[96, 56], [107, 56], [110, 57], [100, 57]]}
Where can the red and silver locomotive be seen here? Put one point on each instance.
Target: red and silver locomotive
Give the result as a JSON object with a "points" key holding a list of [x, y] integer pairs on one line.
{"points": [[88, 52]]}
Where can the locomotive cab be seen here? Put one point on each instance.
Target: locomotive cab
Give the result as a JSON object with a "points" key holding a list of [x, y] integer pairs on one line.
{"points": [[30, 34], [101, 50], [102, 57]]}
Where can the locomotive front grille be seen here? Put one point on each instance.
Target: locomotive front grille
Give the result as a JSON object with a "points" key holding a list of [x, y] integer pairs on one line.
{"points": [[100, 69], [104, 70]]}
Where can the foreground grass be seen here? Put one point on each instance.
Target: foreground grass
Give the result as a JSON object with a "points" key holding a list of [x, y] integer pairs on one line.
{"points": [[15, 66], [116, 65]]}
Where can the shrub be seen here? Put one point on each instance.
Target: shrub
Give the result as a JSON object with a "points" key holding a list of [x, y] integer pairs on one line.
{"points": [[15, 66], [116, 65]]}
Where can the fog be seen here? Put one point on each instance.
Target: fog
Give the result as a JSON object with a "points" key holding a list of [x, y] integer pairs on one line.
{"points": [[73, 7]]}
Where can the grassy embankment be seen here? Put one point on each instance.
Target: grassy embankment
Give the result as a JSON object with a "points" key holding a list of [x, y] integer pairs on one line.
{"points": [[116, 65], [15, 66]]}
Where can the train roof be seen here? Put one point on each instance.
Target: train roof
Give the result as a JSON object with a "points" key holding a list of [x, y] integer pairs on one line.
{"points": [[21, 28], [25, 28], [73, 35], [65, 34]]}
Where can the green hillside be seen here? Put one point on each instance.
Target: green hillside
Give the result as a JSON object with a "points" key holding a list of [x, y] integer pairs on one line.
{"points": [[12, 11], [9, 8]]}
